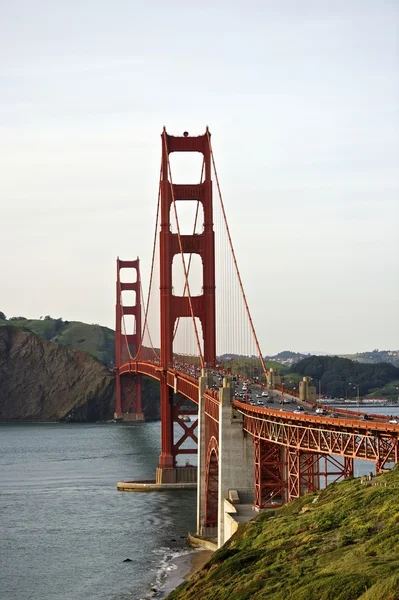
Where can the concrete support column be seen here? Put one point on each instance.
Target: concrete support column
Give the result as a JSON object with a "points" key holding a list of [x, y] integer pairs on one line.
{"points": [[273, 378], [236, 453], [203, 383], [306, 390]]}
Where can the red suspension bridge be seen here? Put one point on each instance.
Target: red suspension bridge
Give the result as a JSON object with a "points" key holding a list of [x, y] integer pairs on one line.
{"points": [[196, 313]]}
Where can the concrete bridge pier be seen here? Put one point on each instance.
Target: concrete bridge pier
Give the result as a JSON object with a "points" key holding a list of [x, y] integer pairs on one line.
{"points": [[203, 382], [236, 460]]}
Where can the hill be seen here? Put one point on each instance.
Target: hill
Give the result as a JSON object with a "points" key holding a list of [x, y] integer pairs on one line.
{"points": [[339, 544], [286, 357], [96, 340], [250, 366], [41, 380], [340, 376], [375, 356], [53, 348]]}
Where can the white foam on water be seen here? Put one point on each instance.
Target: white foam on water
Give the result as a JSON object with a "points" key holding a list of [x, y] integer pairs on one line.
{"points": [[167, 566]]}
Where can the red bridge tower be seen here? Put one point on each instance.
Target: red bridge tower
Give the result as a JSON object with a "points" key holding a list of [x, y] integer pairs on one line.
{"points": [[173, 307], [128, 405]]}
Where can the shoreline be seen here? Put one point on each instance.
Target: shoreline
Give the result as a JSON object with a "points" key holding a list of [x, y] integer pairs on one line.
{"points": [[180, 568]]}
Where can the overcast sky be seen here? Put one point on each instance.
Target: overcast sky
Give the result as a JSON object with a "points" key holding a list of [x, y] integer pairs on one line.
{"points": [[302, 102]]}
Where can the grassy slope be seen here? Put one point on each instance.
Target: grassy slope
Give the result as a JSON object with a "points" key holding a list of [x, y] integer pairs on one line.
{"points": [[344, 546], [94, 339], [390, 390]]}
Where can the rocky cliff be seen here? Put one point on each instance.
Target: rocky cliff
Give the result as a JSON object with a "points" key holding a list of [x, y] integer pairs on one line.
{"points": [[42, 380]]}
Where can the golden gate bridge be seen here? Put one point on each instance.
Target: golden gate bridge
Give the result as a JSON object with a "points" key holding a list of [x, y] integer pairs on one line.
{"points": [[196, 310]]}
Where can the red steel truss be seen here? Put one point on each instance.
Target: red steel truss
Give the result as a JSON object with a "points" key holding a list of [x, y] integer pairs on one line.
{"points": [[351, 439], [302, 473], [128, 387], [188, 428], [283, 474], [171, 244], [270, 484]]}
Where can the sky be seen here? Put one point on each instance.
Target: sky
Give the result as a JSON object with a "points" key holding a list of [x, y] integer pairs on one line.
{"points": [[302, 102]]}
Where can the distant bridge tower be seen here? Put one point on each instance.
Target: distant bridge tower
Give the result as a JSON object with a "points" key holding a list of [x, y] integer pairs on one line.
{"points": [[128, 406], [173, 307]]}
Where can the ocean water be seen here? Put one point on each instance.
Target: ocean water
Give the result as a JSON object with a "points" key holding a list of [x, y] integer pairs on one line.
{"points": [[65, 530]]}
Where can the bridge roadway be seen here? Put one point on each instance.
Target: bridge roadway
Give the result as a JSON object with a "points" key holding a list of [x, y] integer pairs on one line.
{"points": [[283, 406]]}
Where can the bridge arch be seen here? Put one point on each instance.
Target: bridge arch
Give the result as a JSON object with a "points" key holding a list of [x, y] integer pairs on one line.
{"points": [[212, 483]]}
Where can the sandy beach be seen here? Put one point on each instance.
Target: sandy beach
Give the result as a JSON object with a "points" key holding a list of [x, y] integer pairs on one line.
{"points": [[181, 569]]}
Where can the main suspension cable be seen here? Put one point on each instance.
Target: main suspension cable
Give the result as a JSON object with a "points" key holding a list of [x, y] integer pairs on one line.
{"points": [[151, 274]]}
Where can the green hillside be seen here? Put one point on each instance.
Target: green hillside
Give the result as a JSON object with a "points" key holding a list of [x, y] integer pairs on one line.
{"points": [[94, 339], [339, 544], [344, 378], [251, 367]]}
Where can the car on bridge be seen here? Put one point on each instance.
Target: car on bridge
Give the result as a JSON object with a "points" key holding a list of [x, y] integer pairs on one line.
{"points": [[264, 394]]}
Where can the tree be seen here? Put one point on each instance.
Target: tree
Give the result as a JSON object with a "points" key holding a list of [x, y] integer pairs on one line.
{"points": [[2, 316]]}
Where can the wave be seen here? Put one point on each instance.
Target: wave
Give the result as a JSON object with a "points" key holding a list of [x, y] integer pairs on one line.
{"points": [[167, 566]]}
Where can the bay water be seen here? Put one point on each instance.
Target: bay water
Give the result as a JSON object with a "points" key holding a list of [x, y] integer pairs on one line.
{"points": [[64, 529]]}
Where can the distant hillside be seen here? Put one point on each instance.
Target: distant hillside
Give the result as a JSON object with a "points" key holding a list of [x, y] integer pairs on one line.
{"points": [[340, 377], [249, 366], [375, 356], [287, 357], [96, 340], [337, 544]]}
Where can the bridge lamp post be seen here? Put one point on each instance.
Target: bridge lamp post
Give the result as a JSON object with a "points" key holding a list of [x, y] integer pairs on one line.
{"points": [[358, 396], [355, 386], [282, 394], [346, 392]]}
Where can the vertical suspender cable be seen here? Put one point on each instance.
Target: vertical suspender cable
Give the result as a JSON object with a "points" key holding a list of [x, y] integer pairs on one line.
{"points": [[234, 258]]}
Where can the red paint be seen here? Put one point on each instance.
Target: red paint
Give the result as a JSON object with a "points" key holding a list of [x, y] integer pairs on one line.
{"points": [[128, 386], [173, 307]]}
